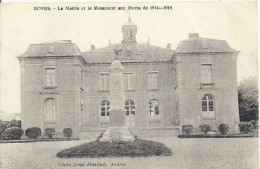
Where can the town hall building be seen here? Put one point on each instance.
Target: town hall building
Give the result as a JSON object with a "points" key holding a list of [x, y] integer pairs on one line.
{"points": [[62, 87]]}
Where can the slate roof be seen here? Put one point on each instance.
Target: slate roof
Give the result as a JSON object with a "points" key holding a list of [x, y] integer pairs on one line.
{"points": [[58, 48], [204, 45], [144, 53]]}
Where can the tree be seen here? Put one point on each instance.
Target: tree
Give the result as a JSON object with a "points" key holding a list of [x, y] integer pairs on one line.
{"points": [[248, 99], [15, 123], [3, 127]]}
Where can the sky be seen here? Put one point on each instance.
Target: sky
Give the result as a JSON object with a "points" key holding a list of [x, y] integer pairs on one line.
{"points": [[21, 25]]}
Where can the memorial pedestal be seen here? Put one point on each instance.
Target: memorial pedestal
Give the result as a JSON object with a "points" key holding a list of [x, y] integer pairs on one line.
{"points": [[117, 131], [117, 134]]}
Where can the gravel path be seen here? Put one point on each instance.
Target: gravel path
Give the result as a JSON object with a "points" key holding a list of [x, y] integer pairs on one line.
{"points": [[226, 153]]}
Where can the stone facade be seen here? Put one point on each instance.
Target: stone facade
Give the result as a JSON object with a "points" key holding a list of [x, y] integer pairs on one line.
{"points": [[164, 89]]}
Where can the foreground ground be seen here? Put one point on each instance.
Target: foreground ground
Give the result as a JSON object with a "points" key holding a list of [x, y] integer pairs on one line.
{"points": [[237, 153]]}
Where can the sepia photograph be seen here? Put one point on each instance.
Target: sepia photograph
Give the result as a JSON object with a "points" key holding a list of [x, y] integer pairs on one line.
{"points": [[129, 85]]}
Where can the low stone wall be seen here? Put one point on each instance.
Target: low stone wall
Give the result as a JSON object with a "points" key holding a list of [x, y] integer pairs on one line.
{"points": [[156, 132], [139, 132]]}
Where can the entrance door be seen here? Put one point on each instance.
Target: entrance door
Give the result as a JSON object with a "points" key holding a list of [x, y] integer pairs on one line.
{"points": [[130, 113]]}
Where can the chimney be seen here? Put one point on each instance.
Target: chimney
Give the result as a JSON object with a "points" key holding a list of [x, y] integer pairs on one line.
{"points": [[93, 47], [193, 35], [169, 46]]}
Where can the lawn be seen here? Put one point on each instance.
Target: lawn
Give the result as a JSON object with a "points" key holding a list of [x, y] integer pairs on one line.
{"points": [[137, 148], [189, 153]]}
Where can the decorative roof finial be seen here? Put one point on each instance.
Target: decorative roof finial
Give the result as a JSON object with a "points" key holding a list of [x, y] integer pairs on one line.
{"points": [[129, 18]]}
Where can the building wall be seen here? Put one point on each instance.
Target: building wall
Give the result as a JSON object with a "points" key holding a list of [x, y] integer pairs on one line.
{"points": [[66, 92], [224, 89], [140, 95], [180, 92]]}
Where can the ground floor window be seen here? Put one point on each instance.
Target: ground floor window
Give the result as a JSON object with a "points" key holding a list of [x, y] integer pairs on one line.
{"points": [[154, 107], [130, 107], [105, 106], [207, 105], [50, 110]]}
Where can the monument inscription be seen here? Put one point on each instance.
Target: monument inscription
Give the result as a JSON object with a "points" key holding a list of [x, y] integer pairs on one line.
{"points": [[117, 130]]}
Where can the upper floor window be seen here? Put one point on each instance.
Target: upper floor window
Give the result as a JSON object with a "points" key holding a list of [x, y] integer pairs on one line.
{"points": [[105, 106], [50, 110], [50, 76], [129, 80], [154, 107], [208, 106], [104, 81], [130, 107], [152, 81], [206, 73]]}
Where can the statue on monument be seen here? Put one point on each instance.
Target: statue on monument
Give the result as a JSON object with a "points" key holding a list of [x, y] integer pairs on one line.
{"points": [[117, 52]]}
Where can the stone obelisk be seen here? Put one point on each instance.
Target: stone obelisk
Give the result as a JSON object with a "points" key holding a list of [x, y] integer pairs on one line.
{"points": [[117, 130]]}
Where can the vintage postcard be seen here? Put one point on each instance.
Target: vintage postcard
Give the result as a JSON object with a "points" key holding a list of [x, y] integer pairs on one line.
{"points": [[129, 85]]}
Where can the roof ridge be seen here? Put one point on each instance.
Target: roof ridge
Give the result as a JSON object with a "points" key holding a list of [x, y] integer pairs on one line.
{"points": [[54, 42]]}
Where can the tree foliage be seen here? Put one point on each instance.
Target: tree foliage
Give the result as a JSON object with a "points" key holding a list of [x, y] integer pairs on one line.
{"points": [[248, 99], [3, 127]]}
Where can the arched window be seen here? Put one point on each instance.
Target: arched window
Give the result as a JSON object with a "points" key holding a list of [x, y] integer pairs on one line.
{"points": [[105, 106], [50, 110], [208, 105], [130, 107], [154, 107]]}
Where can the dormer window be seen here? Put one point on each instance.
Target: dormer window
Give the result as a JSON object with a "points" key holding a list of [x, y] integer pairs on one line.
{"points": [[51, 49], [204, 45]]}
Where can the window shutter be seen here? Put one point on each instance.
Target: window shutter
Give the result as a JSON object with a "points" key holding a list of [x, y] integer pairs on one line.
{"points": [[152, 81], [206, 73]]}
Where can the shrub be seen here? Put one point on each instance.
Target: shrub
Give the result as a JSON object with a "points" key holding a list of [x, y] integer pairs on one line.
{"points": [[245, 127], [67, 132], [49, 132], [223, 128], [33, 132], [255, 124], [14, 133], [205, 128], [187, 129]]}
